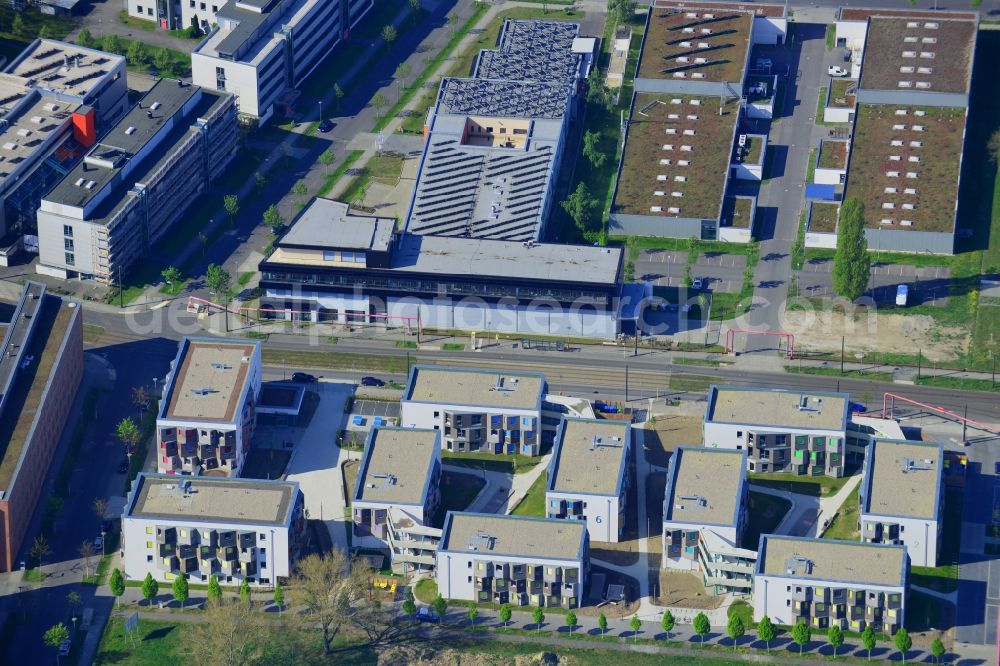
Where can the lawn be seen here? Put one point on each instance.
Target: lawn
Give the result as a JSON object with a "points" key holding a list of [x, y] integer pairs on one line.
{"points": [[426, 590], [533, 503], [265, 463], [737, 212], [325, 359], [383, 168], [960, 383], [155, 644], [458, 490], [845, 524], [842, 93], [833, 155], [696, 383], [513, 463], [815, 486], [944, 577], [350, 469], [835, 372], [823, 217], [765, 514], [811, 166]]}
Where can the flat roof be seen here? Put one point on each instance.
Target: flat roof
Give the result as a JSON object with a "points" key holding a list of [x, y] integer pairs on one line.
{"points": [[905, 166], [772, 11], [777, 407], [491, 535], [704, 486], [516, 57], [862, 14], [708, 43], [473, 387], [216, 499], [502, 98], [209, 379], [63, 68], [396, 465], [28, 125], [902, 478], [331, 224], [676, 160], [923, 55], [589, 457], [832, 560]]}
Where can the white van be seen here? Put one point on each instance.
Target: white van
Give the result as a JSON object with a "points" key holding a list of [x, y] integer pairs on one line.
{"points": [[902, 295]]}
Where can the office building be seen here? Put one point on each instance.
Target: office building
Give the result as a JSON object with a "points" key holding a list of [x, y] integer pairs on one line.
{"points": [[705, 516], [513, 559], [902, 498], [235, 529], [54, 99], [136, 182], [396, 496], [590, 475], [262, 50], [476, 410], [41, 365], [339, 267], [825, 582], [208, 410]]}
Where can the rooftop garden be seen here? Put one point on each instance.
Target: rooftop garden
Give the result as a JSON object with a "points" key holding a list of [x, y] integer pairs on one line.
{"points": [[674, 40], [737, 212], [842, 93], [833, 155], [823, 217]]}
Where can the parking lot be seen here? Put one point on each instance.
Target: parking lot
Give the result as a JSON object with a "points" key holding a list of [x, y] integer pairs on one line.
{"points": [[366, 413], [929, 282], [665, 268]]}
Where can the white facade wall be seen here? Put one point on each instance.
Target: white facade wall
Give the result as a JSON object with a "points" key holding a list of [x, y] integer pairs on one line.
{"points": [[734, 235], [769, 29], [421, 415], [729, 533], [455, 575], [381, 541], [763, 109], [837, 114], [734, 436], [829, 176], [919, 535], [772, 596], [824, 240], [600, 511], [752, 172]]}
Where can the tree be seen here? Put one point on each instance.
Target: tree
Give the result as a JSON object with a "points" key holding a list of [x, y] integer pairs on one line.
{"points": [[414, 9], [571, 621], [128, 432], [667, 622], [279, 596], [975, 4], [140, 397], [701, 626], [403, 72], [851, 263], [233, 634], [260, 180], [326, 587], [73, 599], [39, 549], [273, 219], [117, 584], [537, 616], [136, 53], [162, 59], [580, 206], [903, 642], [338, 94], [505, 614], [440, 607], [150, 588], [87, 551], [378, 103], [993, 146], [84, 38], [868, 640], [835, 637], [300, 190], [592, 148], [232, 205], [622, 10], [937, 649], [17, 27], [765, 632], [409, 603], [245, 595], [171, 275], [735, 629], [635, 624], [801, 635], [214, 591], [112, 44], [326, 158], [473, 613], [602, 623], [57, 634], [389, 34], [217, 279]]}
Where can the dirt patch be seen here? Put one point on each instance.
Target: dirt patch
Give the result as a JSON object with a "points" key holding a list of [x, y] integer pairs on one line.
{"points": [[868, 331], [663, 434], [685, 590], [631, 605], [423, 655]]}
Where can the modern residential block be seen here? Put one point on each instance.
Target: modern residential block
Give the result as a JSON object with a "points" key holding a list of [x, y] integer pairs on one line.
{"points": [[208, 410], [262, 50], [54, 98], [781, 430], [396, 496], [41, 365], [236, 529], [513, 559], [826, 582], [590, 475], [476, 410], [136, 183], [902, 497], [705, 515]]}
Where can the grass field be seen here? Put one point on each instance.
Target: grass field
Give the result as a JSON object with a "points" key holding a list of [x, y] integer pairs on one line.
{"points": [[426, 590], [835, 372], [533, 503], [816, 486], [323, 359], [845, 523], [515, 463]]}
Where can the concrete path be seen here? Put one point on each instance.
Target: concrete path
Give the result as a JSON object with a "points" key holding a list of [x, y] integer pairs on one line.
{"points": [[829, 506], [807, 513]]}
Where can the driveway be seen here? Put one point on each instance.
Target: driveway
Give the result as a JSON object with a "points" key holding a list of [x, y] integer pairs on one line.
{"points": [[102, 19], [666, 268], [931, 283]]}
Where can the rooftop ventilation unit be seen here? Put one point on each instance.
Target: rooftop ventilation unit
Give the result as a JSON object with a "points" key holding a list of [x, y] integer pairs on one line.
{"points": [[204, 390], [221, 366], [910, 465], [382, 480], [130, 130], [691, 502], [154, 106], [804, 406], [482, 541], [798, 565], [598, 442], [502, 385]]}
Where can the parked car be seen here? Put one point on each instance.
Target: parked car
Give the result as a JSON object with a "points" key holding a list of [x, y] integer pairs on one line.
{"points": [[303, 378], [902, 295], [65, 647], [836, 70], [27, 361], [98, 542], [996, 468], [372, 381], [697, 283], [764, 63], [857, 407], [427, 615], [325, 126]]}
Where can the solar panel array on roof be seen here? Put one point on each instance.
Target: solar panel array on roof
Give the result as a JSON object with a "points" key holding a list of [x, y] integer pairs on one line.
{"points": [[516, 58], [511, 99]]}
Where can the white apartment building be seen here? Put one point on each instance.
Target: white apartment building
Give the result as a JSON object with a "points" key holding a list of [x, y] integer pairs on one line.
{"points": [[263, 49], [902, 497], [825, 582], [396, 496], [705, 515], [235, 529], [513, 559], [136, 182], [590, 474], [208, 409], [476, 410]]}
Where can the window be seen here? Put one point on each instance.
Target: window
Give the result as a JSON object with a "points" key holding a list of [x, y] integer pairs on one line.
{"points": [[192, 4], [215, 8], [739, 433], [149, 544], [468, 579], [526, 421], [149, 11], [437, 414], [149, 558], [70, 259], [263, 537], [184, 533], [149, 530], [139, 8], [67, 230], [470, 564], [201, 5], [347, 256], [329, 255]]}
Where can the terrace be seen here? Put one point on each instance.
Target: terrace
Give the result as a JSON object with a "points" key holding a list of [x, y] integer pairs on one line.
{"points": [[902, 53], [703, 45], [905, 166], [752, 150], [823, 217], [833, 155], [674, 162], [843, 94], [737, 212]]}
